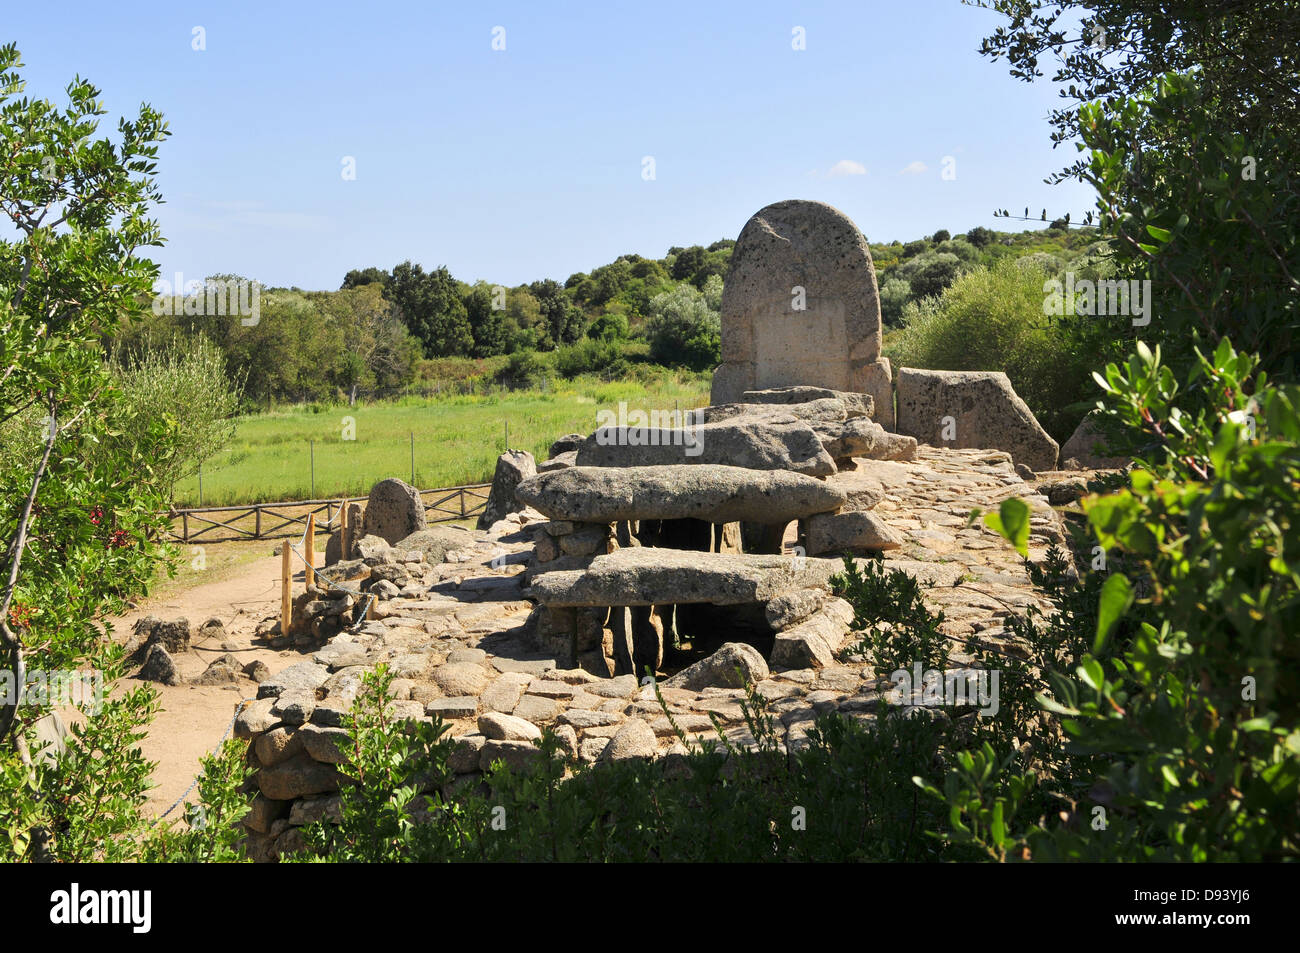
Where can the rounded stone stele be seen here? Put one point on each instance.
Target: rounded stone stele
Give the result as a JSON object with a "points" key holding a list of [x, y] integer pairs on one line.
{"points": [[768, 340]]}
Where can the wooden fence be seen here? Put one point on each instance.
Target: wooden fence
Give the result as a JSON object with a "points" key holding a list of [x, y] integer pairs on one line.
{"points": [[221, 524]]}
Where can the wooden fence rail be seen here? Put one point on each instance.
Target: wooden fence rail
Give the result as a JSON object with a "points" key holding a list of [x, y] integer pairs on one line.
{"points": [[221, 524]]}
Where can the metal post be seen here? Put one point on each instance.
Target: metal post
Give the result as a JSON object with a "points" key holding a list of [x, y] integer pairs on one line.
{"points": [[412, 458], [507, 436], [313, 469], [200, 484]]}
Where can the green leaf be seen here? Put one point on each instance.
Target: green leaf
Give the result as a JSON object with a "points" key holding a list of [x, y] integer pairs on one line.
{"points": [[1011, 522], [1116, 597], [1092, 674], [1159, 234]]}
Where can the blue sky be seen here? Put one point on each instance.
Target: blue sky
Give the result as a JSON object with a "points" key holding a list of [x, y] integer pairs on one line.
{"points": [[525, 163]]}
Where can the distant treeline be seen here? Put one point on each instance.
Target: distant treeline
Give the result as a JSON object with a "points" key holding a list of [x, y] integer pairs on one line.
{"points": [[378, 333]]}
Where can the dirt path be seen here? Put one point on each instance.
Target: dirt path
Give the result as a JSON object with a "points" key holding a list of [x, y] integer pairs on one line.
{"points": [[193, 718]]}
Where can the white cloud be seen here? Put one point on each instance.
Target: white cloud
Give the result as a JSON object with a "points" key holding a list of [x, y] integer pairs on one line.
{"points": [[913, 168], [846, 167]]}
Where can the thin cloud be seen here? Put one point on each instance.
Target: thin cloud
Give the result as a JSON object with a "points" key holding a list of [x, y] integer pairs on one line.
{"points": [[913, 168], [846, 167]]}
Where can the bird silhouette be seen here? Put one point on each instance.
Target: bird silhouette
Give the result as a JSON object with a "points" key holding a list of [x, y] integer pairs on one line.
{"points": [[1026, 211], [1044, 215]]}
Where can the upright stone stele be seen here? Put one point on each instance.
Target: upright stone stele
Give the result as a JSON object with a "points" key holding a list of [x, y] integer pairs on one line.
{"points": [[800, 306]]}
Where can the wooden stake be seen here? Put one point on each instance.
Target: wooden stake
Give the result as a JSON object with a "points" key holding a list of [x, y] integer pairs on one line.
{"points": [[343, 525], [309, 550], [286, 594]]}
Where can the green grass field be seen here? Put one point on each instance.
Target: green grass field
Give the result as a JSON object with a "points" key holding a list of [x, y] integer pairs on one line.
{"points": [[457, 439]]}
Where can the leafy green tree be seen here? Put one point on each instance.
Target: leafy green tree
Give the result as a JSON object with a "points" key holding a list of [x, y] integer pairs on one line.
{"points": [[377, 353], [687, 263], [564, 322], [365, 276], [183, 389], [1246, 55], [942, 235], [430, 306], [608, 327], [930, 273], [979, 236], [488, 324], [1207, 216], [80, 526]]}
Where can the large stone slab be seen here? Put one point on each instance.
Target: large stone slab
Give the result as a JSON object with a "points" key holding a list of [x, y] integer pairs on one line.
{"points": [[856, 405], [718, 494], [650, 576], [436, 541], [1087, 445], [800, 303], [972, 410], [861, 437], [813, 412], [856, 532], [513, 467], [750, 442], [393, 511], [733, 665]]}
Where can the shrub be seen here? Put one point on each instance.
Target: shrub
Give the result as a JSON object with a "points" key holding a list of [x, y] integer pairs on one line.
{"points": [[931, 273], [524, 369], [1180, 703], [992, 320], [608, 327], [183, 386], [591, 355], [684, 328]]}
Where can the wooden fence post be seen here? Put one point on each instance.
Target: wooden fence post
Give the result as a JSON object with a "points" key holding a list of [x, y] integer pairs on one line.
{"points": [[343, 525], [286, 595], [309, 550]]}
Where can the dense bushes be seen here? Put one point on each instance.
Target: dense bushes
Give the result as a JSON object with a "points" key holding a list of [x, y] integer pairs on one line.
{"points": [[992, 320], [1180, 705], [684, 327]]}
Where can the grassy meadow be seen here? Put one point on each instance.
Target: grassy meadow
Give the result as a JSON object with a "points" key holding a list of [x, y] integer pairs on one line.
{"points": [[457, 438]]}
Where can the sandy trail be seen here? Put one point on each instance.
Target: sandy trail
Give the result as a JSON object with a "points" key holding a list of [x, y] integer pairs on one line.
{"points": [[193, 718]]}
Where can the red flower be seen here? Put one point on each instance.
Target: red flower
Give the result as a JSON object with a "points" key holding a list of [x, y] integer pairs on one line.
{"points": [[119, 539], [96, 515], [20, 616]]}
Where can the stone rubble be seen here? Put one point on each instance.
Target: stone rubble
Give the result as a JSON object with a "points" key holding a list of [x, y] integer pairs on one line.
{"points": [[470, 646]]}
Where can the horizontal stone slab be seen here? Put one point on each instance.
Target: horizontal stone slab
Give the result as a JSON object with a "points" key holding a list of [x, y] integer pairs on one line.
{"points": [[649, 576], [810, 412], [750, 442], [718, 494], [856, 405]]}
